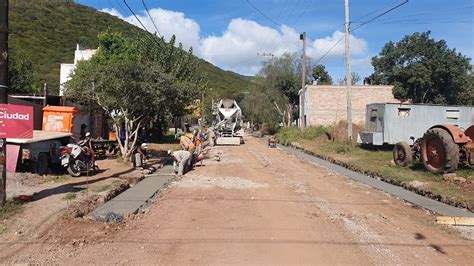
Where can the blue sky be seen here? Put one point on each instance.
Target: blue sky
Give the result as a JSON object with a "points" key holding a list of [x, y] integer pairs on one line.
{"points": [[231, 33]]}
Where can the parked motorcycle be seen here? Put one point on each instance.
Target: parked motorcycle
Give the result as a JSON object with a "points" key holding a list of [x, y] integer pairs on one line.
{"points": [[78, 158]]}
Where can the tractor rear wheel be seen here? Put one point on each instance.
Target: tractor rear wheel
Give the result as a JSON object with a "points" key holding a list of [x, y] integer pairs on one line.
{"points": [[439, 153], [402, 155]]}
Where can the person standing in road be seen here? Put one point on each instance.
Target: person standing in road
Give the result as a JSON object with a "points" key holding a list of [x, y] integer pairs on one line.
{"points": [[181, 161]]}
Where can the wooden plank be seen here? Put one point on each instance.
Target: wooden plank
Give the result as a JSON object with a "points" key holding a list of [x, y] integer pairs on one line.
{"points": [[465, 221]]}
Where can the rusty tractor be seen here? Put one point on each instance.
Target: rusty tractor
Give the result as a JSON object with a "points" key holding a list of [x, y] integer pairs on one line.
{"points": [[441, 149]]}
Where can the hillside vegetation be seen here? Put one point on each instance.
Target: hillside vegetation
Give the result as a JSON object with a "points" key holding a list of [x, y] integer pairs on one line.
{"points": [[46, 33]]}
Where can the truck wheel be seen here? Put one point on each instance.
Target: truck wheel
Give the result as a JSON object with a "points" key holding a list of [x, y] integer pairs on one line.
{"points": [[439, 153], [73, 170], [42, 164], [402, 154]]}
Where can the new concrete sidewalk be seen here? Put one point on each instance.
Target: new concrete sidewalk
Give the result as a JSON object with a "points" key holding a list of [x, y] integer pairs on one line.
{"points": [[427, 203], [134, 198]]}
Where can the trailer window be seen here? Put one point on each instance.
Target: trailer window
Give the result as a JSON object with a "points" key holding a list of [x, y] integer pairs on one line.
{"points": [[452, 114], [373, 115], [404, 111]]}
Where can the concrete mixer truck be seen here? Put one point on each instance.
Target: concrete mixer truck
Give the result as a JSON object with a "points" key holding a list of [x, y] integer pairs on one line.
{"points": [[227, 117]]}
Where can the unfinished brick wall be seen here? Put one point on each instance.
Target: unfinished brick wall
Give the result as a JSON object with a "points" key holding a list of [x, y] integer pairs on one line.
{"points": [[326, 105]]}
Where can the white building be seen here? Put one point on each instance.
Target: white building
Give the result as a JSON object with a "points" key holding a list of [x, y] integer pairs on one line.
{"points": [[68, 69]]}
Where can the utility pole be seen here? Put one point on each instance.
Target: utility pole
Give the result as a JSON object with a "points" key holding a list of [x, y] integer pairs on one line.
{"points": [[268, 54], [3, 92], [303, 82], [348, 75]]}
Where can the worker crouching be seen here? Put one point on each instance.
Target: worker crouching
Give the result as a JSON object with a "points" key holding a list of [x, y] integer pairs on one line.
{"points": [[181, 161]]}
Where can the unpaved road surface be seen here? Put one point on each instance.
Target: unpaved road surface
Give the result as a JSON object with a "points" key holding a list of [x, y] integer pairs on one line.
{"points": [[258, 205]]}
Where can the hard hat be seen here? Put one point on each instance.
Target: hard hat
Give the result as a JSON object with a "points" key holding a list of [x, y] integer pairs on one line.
{"points": [[144, 145], [169, 152]]}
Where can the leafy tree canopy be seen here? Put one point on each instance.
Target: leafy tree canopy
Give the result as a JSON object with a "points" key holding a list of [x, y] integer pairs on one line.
{"points": [[283, 75], [321, 75], [133, 88], [424, 71], [20, 74]]}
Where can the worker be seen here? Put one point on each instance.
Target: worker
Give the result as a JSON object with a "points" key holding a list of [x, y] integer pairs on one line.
{"points": [[185, 143], [139, 156], [198, 139], [181, 161], [211, 136]]}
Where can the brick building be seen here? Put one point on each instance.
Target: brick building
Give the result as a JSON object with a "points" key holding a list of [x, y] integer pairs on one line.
{"points": [[327, 104]]}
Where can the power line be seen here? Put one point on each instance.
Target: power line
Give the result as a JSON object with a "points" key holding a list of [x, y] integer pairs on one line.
{"points": [[379, 15], [133, 13], [139, 21], [263, 14], [293, 10], [362, 24], [121, 7], [329, 50], [152, 20]]}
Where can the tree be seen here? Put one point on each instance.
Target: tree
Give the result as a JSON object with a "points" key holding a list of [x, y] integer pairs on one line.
{"points": [[321, 76], [283, 76], [131, 89], [424, 71], [354, 79], [259, 105], [20, 74]]}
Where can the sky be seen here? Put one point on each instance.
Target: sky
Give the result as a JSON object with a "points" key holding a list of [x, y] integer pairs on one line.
{"points": [[231, 34]]}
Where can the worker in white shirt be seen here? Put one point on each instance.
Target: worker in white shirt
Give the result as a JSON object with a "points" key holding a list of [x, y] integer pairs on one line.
{"points": [[181, 161]]}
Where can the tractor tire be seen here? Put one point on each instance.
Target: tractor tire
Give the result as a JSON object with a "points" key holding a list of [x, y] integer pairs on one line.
{"points": [[402, 154], [439, 153]]}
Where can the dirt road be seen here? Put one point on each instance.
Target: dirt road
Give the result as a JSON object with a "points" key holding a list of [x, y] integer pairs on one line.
{"points": [[258, 205]]}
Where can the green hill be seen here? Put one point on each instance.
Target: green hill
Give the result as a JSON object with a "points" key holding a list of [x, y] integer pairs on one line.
{"points": [[46, 32]]}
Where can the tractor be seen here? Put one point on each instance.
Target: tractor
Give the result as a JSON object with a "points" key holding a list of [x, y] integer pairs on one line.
{"points": [[441, 149]]}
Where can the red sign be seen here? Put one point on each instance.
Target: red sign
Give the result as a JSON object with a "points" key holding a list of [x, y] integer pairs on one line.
{"points": [[16, 121]]}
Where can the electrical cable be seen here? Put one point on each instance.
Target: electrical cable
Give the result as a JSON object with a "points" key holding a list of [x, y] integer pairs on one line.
{"points": [[136, 17], [263, 14], [378, 16], [139, 21], [152, 20]]}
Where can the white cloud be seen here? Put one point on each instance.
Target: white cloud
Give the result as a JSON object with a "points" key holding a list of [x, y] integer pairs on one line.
{"points": [[334, 46], [237, 47], [168, 23]]}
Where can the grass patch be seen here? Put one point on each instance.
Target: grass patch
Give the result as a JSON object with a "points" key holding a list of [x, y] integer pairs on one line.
{"points": [[70, 196], [378, 161], [293, 134], [55, 178], [103, 188], [11, 207]]}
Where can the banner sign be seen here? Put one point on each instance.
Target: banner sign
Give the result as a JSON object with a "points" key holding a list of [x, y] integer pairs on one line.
{"points": [[16, 121]]}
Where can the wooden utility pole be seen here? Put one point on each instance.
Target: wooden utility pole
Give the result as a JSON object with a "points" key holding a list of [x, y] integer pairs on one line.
{"points": [[3, 92], [270, 55], [303, 82], [348, 75]]}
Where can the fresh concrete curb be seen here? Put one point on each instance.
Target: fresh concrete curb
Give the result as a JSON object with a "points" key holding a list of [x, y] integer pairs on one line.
{"points": [[416, 199], [132, 200]]}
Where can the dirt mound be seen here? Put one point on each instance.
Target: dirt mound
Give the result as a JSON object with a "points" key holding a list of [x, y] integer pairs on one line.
{"points": [[340, 131]]}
